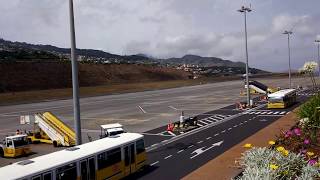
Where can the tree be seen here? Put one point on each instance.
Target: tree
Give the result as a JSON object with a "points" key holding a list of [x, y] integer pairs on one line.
{"points": [[309, 68]]}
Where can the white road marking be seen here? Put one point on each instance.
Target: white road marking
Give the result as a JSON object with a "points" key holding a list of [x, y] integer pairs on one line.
{"points": [[173, 108], [154, 144], [270, 112], [245, 121], [168, 157], [180, 151], [264, 112], [203, 122], [283, 112], [142, 109], [276, 112], [200, 125], [223, 131], [154, 163], [201, 150], [190, 146], [171, 133], [208, 120], [235, 126], [229, 129], [208, 138], [216, 134], [200, 142], [241, 123]]}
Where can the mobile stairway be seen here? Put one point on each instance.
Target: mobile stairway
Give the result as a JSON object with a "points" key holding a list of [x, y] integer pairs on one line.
{"points": [[59, 133], [259, 88]]}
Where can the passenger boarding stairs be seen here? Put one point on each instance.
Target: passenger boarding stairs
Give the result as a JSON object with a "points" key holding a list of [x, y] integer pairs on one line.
{"points": [[58, 132]]}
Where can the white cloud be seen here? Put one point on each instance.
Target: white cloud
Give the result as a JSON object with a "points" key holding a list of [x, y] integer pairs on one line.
{"points": [[166, 28]]}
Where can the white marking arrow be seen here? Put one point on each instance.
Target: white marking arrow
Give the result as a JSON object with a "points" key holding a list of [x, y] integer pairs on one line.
{"points": [[201, 150]]}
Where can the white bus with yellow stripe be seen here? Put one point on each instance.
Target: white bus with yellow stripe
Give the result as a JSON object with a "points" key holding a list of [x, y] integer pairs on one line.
{"points": [[112, 157], [282, 99]]}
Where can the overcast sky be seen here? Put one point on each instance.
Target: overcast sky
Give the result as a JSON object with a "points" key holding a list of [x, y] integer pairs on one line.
{"points": [[172, 28]]}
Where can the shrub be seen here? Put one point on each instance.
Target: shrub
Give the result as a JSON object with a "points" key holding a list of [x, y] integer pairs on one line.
{"points": [[264, 163]]}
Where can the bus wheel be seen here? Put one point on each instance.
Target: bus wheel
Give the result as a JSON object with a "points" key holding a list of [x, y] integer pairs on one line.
{"points": [[1, 152], [55, 144]]}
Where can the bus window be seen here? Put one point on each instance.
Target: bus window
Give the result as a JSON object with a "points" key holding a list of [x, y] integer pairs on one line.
{"points": [[47, 176], [36, 177], [109, 158], [92, 169], [67, 172], [140, 146], [84, 170], [132, 153]]}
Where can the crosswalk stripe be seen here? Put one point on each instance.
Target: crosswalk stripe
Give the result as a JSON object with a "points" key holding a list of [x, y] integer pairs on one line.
{"points": [[218, 115], [276, 112], [283, 112], [270, 112], [203, 122], [207, 120], [264, 112], [200, 124]]}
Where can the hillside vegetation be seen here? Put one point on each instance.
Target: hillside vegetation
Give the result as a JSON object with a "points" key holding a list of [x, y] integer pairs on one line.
{"points": [[21, 76]]}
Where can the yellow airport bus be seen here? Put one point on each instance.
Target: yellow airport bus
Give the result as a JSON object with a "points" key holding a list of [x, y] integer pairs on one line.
{"points": [[112, 157], [282, 98]]}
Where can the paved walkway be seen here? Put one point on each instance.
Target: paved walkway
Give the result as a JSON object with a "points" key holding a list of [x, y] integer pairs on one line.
{"points": [[224, 166]]}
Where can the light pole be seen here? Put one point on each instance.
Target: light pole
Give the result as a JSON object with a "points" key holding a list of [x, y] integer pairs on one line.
{"points": [[75, 84], [289, 33], [318, 42], [244, 10]]}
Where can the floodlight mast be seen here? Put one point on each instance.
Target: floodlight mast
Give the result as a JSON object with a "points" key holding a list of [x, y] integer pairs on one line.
{"points": [[289, 54], [318, 43], [75, 83], [244, 10]]}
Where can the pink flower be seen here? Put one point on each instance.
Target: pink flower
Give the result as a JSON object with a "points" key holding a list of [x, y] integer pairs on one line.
{"points": [[306, 141], [287, 134], [297, 131], [303, 151], [312, 162]]}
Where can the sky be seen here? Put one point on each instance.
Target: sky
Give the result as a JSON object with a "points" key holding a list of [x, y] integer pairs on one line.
{"points": [[172, 28]]}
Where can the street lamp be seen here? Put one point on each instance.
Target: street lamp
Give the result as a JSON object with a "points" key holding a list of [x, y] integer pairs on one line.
{"points": [[75, 83], [289, 33], [318, 42], [244, 10]]}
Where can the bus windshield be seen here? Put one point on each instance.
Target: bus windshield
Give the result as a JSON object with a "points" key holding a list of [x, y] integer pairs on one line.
{"points": [[275, 100], [20, 141]]}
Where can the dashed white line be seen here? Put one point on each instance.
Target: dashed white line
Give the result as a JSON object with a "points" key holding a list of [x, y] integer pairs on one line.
{"points": [[154, 163], [190, 146], [235, 126], [168, 157], [245, 121], [208, 138], [223, 131], [142, 109], [200, 142], [180, 151], [229, 129], [216, 134], [154, 144]]}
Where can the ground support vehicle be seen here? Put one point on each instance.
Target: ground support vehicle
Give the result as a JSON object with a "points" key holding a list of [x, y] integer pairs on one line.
{"points": [[15, 146], [282, 99], [52, 130], [112, 157], [110, 130]]}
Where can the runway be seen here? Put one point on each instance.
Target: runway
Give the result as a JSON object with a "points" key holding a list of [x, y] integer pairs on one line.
{"points": [[138, 112]]}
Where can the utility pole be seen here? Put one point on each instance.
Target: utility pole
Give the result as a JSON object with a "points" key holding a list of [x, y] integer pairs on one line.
{"points": [[289, 53], [75, 83], [244, 10]]}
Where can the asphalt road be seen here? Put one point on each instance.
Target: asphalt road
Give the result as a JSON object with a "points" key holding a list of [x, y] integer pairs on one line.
{"points": [[175, 157]]}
